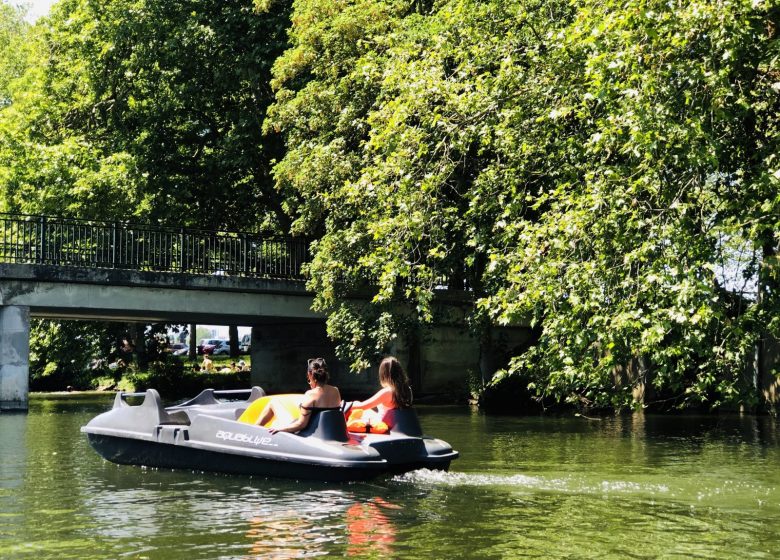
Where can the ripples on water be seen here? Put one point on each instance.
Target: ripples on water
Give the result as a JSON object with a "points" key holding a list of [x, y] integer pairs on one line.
{"points": [[524, 487]]}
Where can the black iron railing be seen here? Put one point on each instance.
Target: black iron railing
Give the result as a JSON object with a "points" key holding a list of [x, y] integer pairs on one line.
{"points": [[95, 244]]}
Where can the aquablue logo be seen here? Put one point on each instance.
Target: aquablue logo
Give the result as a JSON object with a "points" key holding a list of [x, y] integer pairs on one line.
{"points": [[244, 438]]}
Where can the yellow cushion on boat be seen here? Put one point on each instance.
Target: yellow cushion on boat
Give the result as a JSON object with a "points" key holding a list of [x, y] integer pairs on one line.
{"points": [[289, 403]]}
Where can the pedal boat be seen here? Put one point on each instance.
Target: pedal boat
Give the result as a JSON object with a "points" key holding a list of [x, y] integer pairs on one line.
{"points": [[205, 434]]}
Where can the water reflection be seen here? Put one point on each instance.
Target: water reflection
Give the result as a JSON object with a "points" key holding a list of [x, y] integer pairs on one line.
{"points": [[369, 529], [285, 536], [310, 524]]}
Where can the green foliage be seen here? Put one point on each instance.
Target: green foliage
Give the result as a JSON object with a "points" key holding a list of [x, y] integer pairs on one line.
{"points": [[13, 53], [63, 353], [590, 168], [202, 332], [142, 110], [146, 109], [173, 381], [654, 168], [586, 167]]}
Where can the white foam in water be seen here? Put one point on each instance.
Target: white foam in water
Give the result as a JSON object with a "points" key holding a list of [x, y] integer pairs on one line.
{"points": [[442, 478], [466, 479]]}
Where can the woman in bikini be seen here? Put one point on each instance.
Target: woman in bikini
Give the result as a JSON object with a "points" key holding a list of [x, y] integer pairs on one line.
{"points": [[320, 396], [395, 393]]}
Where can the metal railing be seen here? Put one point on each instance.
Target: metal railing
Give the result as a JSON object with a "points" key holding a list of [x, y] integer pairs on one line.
{"points": [[94, 244]]}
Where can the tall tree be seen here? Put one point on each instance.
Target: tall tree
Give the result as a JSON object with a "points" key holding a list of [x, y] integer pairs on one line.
{"points": [[141, 110], [664, 130], [592, 168], [13, 55], [148, 110]]}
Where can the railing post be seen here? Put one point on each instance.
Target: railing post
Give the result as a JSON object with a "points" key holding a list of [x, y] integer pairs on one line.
{"points": [[244, 256], [113, 244], [182, 252], [42, 240]]}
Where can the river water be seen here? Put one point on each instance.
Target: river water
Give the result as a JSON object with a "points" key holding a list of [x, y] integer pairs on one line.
{"points": [[623, 487]]}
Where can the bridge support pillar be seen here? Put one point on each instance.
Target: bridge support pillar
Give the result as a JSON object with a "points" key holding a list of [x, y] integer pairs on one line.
{"points": [[280, 351], [14, 357]]}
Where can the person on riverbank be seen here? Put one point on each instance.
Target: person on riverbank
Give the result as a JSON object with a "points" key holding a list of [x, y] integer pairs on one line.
{"points": [[320, 396], [395, 393], [207, 365]]}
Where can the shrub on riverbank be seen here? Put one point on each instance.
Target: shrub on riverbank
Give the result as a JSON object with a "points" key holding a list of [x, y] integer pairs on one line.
{"points": [[183, 383], [174, 378]]}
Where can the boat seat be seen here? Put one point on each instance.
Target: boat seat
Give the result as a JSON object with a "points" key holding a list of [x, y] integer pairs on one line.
{"points": [[178, 417], [209, 396], [404, 421], [326, 425], [142, 417]]}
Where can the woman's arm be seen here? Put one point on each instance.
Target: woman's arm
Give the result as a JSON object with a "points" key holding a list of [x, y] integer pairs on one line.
{"points": [[384, 397]]}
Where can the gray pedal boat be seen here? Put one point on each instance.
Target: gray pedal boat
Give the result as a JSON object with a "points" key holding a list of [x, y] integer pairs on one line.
{"points": [[204, 434]]}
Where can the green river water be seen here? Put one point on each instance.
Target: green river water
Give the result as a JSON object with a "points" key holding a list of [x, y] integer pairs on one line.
{"points": [[532, 487]]}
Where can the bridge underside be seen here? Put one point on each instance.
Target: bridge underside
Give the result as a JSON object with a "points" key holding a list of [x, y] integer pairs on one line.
{"points": [[285, 331], [36, 291], [122, 295], [156, 316]]}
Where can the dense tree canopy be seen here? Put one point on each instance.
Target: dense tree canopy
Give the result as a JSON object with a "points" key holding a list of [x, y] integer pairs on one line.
{"points": [[590, 167], [136, 110], [147, 109], [605, 172], [13, 32]]}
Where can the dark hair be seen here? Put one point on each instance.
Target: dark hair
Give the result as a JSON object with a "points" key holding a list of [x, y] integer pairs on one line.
{"points": [[318, 370], [392, 375]]}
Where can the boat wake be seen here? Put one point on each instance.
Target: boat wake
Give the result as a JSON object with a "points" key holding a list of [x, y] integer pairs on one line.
{"points": [[427, 477]]}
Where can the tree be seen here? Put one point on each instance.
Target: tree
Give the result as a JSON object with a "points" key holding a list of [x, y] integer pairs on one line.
{"points": [[13, 57], [140, 110], [664, 142], [148, 110], [389, 137], [62, 353], [589, 168]]}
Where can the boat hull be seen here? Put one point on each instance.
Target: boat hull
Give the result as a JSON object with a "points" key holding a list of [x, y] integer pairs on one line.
{"points": [[205, 434], [125, 451]]}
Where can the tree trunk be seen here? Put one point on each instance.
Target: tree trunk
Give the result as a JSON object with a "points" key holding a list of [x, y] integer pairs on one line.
{"points": [[413, 368], [138, 335], [768, 353], [193, 353], [233, 334]]}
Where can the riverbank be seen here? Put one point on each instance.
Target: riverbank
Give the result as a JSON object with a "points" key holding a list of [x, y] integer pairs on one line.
{"points": [[173, 376]]}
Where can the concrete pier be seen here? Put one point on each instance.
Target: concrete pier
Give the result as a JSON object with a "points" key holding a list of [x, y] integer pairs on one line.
{"points": [[280, 352], [14, 357], [440, 362]]}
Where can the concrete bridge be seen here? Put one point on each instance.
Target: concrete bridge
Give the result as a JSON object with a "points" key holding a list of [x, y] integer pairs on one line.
{"points": [[72, 269]]}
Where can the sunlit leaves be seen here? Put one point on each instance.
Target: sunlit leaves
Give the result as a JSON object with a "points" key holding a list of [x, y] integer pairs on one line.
{"points": [[148, 110], [585, 168]]}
